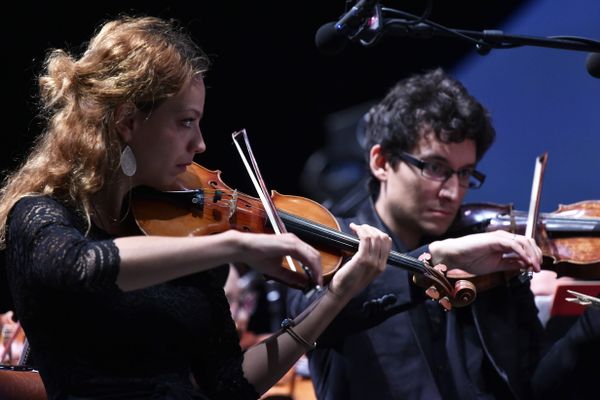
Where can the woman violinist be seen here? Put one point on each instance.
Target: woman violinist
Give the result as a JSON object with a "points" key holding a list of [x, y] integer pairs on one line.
{"points": [[142, 316]]}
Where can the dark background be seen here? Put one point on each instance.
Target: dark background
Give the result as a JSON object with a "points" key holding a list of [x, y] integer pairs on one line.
{"points": [[267, 75]]}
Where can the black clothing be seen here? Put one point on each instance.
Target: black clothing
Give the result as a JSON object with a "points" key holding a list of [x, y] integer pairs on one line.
{"points": [[484, 351], [570, 367], [89, 339]]}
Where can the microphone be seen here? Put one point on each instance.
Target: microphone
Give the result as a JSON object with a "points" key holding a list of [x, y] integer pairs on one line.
{"points": [[332, 37], [329, 40], [592, 64]]}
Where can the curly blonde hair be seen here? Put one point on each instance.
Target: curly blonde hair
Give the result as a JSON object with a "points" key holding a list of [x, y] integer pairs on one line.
{"points": [[137, 60]]}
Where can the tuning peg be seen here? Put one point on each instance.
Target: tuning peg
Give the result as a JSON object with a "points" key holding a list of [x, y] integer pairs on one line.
{"points": [[433, 292], [445, 302]]}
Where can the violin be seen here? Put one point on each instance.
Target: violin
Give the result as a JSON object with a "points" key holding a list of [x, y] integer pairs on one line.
{"points": [[568, 237], [208, 206]]}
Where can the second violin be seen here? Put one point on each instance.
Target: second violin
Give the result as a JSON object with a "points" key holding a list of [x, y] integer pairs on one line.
{"points": [[569, 237]]}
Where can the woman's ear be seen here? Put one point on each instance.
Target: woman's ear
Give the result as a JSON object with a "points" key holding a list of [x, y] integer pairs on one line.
{"points": [[378, 163], [125, 121]]}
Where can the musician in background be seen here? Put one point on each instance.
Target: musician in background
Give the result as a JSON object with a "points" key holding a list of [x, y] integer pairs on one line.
{"points": [[12, 339], [257, 305], [543, 287], [423, 143]]}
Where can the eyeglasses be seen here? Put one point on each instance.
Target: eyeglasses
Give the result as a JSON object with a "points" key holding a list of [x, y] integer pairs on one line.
{"points": [[467, 177]]}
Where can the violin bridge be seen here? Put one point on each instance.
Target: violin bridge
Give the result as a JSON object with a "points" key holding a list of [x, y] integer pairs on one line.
{"points": [[233, 203]]}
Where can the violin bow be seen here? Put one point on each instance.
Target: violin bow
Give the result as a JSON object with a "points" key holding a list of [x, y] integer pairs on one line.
{"points": [[534, 202], [583, 299], [259, 184]]}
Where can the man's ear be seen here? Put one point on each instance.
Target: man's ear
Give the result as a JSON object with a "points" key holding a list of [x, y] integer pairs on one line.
{"points": [[125, 121], [378, 163]]}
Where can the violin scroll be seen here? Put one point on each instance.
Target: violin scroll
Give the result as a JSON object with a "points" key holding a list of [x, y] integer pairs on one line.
{"points": [[465, 292], [461, 294]]}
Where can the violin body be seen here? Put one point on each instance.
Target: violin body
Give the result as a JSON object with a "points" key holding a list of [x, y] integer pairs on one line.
{"points": [[568, 237], [571, 240], [226, 209]]}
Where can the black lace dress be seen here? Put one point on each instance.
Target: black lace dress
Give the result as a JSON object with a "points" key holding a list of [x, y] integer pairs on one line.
{"points": [[91, 340]]}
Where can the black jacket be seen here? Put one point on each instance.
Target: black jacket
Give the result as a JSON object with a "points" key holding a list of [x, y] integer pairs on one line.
{"points": [[385, 349]]}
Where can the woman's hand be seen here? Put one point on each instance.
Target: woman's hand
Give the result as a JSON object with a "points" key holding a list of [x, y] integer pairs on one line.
{"points": [[483, 253], [265, 253], [368, 262]]}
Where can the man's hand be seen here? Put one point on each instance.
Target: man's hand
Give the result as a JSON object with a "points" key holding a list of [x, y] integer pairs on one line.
{"points": [[484, 253]]}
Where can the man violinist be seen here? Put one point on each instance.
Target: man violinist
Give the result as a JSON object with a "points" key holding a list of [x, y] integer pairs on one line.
{"points": [[423, 142]]}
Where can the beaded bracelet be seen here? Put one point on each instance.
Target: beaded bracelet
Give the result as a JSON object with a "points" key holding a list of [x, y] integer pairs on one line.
{"points": [[287, 325]]}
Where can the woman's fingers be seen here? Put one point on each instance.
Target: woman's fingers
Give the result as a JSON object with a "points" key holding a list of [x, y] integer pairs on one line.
{"points": [[374, 244], [271, 251], [308, 257], [269, 254]]}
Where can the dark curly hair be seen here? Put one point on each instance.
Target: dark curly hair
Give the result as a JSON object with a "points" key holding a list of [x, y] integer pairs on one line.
{"points": [[434, 100]]}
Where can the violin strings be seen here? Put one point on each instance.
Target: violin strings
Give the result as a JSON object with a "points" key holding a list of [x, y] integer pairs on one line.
{"points": [[304, 227], [557, 218], [327, 235], [331, 237], [563, 223]]}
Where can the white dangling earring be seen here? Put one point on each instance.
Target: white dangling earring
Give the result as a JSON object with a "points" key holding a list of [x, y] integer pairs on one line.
{"points": [[128, 163]]}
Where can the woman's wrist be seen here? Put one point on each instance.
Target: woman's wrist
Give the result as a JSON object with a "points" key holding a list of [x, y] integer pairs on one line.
{"points": [[233, 240], [335, 299]]}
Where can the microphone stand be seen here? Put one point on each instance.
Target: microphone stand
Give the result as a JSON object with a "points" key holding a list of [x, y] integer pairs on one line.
{"points": [[486, 40], [367, 28], [419, 27]]}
